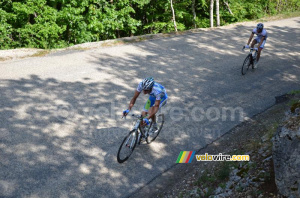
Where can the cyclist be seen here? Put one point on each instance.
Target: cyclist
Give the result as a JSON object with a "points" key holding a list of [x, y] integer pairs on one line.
{"points": [[260, 39], [158, 98]]}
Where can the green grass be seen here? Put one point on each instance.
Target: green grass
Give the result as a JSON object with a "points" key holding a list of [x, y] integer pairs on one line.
{"points": [[224, 172], [283, 15], [222, 185], [272, 130], [294, 104], [204, 178], [209, 192], [294, 92]]}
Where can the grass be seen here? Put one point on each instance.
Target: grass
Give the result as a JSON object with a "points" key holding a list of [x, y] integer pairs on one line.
{"points": [[294, 92], [204, 178], [294, 104], [209, 192], [272, 130], [224, 172], [283, 15], [222, 185], [40, 53]]}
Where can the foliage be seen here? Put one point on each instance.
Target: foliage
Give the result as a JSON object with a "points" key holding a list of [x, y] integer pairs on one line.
{"points": [[58, 23]]}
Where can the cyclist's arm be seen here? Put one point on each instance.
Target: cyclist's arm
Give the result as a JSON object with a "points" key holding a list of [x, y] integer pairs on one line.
{"points": [[132, 101], [261, 41], [155, 109], [251, 36]]}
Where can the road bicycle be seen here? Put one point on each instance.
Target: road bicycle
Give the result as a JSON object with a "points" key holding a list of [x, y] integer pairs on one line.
{"points": [[137, 135], [249, 60]]}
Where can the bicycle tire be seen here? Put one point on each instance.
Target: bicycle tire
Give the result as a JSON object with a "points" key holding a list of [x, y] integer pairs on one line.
{"points": [[132, 134], [150, 138], [246, 64]]}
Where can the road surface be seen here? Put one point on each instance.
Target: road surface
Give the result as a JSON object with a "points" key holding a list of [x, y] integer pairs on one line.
{"points": [[61, 125]]}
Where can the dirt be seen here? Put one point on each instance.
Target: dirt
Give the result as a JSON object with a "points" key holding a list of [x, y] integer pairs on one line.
{"points": [[252, 137]]}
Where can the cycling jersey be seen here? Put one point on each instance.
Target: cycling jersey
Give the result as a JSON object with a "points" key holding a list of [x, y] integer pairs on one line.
{"points": [[158, 91], [259, 36], [263, 33]]}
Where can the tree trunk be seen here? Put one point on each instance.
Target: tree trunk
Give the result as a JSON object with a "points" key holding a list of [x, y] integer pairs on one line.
{"points": [[175, 26], [217, 13], [194, 13], [211, 13], [227, 4]]}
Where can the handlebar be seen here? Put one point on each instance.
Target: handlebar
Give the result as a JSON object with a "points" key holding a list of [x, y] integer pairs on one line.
{"points": [[251, 49], [133, 115]]}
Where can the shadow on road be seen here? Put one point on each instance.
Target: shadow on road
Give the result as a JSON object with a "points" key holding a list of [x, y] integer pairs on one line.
{"points": [[60, 138]]}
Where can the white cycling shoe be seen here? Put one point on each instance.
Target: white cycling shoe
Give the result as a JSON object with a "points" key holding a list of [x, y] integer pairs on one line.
{"points": [[255, 65]]}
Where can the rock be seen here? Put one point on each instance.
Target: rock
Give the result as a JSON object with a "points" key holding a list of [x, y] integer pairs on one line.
{"points": [[286, 149], [260, 151], [194, 192], [229, 185], [229, 192], [236, 179], [265, 138], [219, 190], [267, 159], [234, 172], [205, 190]]}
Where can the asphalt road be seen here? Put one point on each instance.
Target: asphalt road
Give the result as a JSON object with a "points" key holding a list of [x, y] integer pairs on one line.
{"points": [[61, 125]]}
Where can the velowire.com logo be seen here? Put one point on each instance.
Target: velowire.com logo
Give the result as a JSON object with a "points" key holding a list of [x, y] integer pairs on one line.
{"points": [[187, 157]]}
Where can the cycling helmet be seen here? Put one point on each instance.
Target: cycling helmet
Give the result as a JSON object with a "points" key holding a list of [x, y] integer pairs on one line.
{"points": [[147, 83], [260, 26]]}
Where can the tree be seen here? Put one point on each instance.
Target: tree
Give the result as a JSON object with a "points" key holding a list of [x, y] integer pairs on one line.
{"points": [[194, 13], [211, 13], [174, 20], [217, 12], [227, 5]]}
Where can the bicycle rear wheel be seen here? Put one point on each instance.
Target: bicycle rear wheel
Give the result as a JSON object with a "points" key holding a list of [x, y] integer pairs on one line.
{"points": [[246, 64], [152, 134], [127, 146]]}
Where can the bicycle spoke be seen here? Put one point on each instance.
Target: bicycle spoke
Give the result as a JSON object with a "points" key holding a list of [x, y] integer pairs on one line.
{"points": [[127, 147], [246, 65], [152, 134]]}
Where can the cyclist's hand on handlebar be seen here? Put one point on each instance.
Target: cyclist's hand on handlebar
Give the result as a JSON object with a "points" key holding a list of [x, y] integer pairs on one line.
{"points": [[146, 121], [125, 112]]}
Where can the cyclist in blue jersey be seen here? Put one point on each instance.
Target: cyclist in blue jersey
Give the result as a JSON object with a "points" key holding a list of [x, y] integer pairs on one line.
{"points": [[158, 98], [260, 39]]}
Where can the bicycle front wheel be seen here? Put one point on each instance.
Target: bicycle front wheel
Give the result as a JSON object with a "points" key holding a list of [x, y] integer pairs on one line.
{"points": [[246, 64], [127, 146], [153, 133]]}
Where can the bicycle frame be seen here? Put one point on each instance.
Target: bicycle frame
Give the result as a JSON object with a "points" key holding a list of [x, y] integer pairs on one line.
{"points": [[253, 55], [137, 126]]}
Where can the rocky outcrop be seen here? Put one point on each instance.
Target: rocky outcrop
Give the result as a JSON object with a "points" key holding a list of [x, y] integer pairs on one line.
{"points": [[286, 156]]}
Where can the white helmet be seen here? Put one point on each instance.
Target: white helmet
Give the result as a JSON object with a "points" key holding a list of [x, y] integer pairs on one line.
{"points": [[260, 26], [147, 83]]}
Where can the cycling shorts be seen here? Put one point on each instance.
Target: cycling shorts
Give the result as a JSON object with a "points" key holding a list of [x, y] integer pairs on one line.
{"points": [[258, 41], [151, 101]]}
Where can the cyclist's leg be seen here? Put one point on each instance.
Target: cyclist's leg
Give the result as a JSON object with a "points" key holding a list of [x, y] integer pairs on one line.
{"points": [[260, 49], [163, 102], [149, 103]]}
